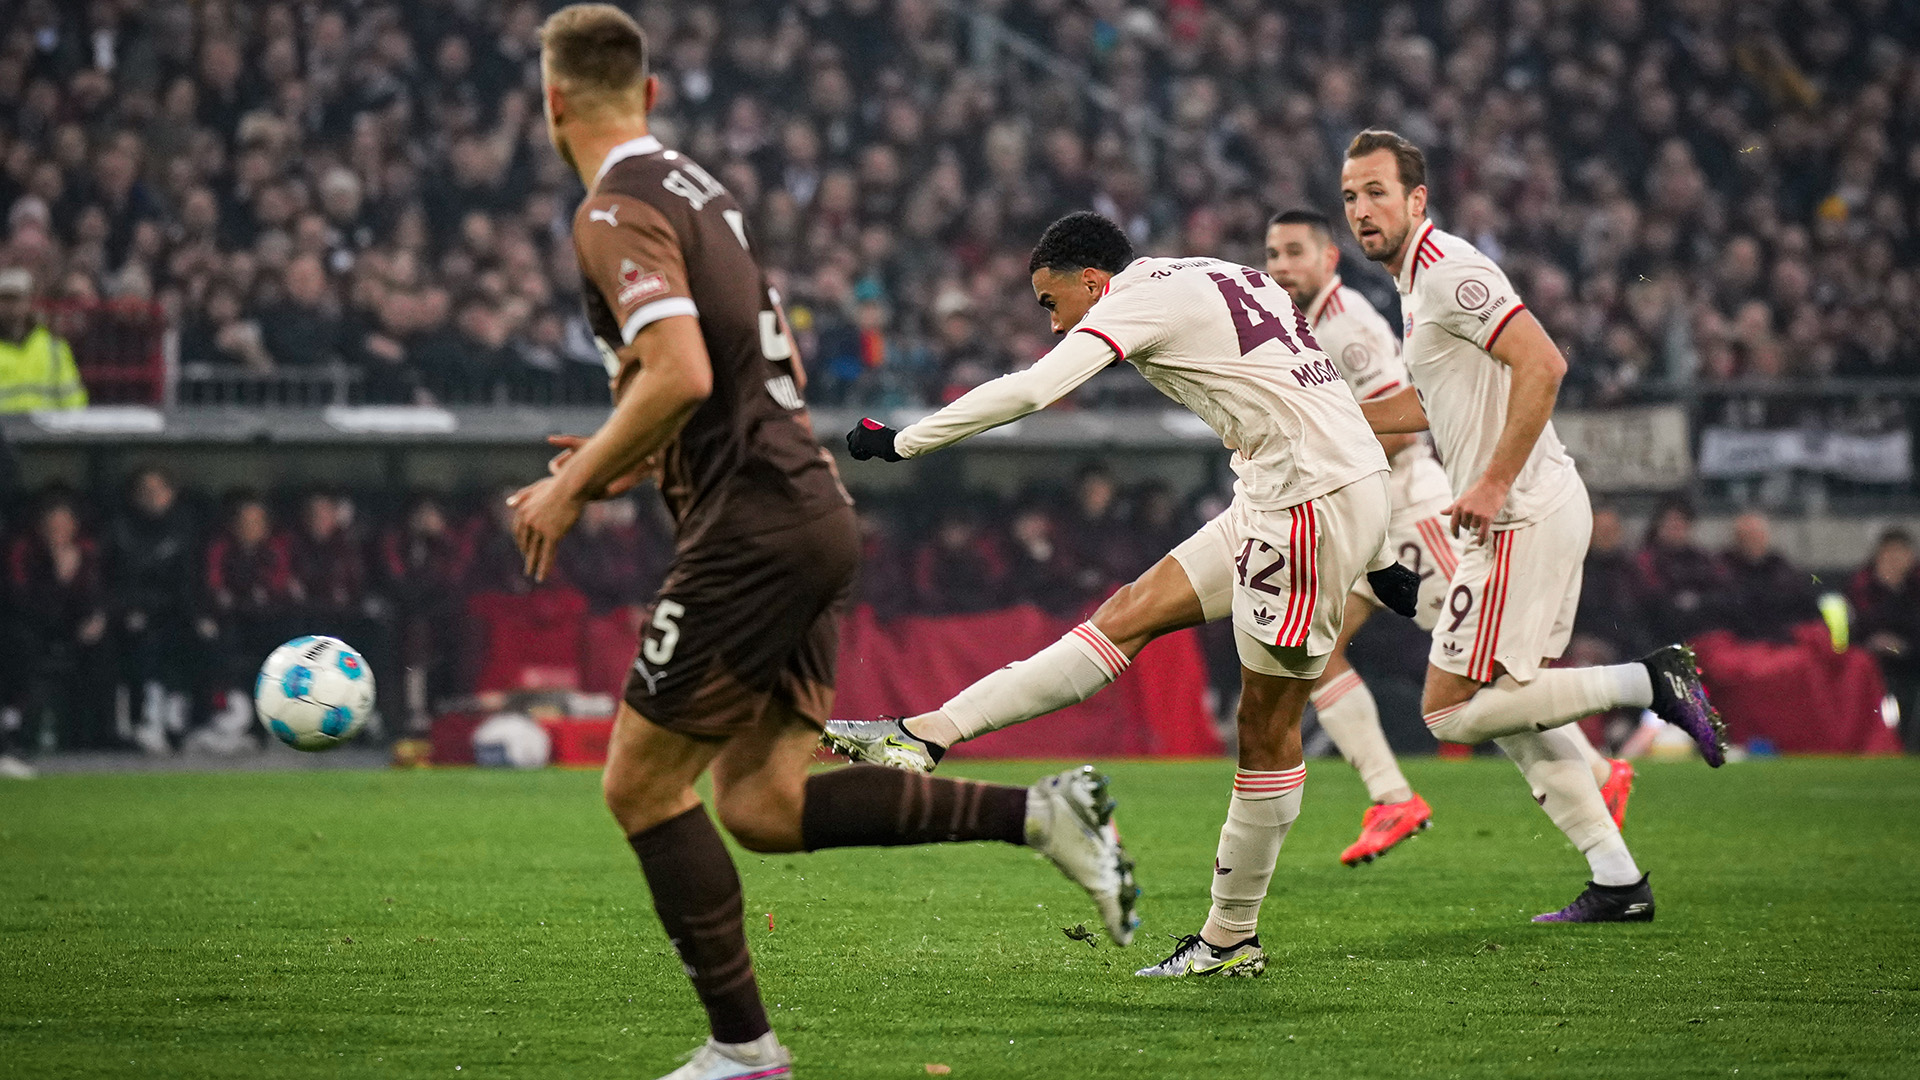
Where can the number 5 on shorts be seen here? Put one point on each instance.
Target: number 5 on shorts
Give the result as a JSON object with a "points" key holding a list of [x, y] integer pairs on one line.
{"points": [[659, 650]]}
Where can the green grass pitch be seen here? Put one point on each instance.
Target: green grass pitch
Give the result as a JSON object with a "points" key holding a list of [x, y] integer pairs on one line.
{"points": [[471, 924]]}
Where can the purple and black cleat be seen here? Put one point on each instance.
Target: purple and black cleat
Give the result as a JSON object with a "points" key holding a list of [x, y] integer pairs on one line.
{"points": [[1607, 903], [1680, 698]]}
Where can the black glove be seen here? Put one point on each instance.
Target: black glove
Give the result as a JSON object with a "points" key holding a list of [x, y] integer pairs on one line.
{"points": [[1397, 587], [872, 439]]}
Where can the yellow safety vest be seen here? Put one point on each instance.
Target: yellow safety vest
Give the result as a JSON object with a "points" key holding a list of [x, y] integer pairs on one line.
{"points": [[38, 374]]}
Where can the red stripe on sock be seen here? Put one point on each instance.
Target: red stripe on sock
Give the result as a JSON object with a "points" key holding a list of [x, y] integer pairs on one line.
{"points": [[1115, 661], [1438, 715], [1324, 696]]}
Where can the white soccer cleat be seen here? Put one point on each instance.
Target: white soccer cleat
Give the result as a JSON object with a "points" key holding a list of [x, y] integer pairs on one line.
{"points": [[885, 741], [762, 1059], [1070, 820], [1193, 956]]}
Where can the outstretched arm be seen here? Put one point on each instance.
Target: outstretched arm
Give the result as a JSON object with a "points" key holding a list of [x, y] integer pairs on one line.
{"points": [[1076, 359], [1537, 368]]}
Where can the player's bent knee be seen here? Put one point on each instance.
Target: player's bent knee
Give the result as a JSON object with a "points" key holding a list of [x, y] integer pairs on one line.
{"points": [[761, 820], [639, 802]]}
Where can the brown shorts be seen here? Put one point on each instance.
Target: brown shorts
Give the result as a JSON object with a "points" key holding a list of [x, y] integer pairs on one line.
{"points": [[742, 622]]}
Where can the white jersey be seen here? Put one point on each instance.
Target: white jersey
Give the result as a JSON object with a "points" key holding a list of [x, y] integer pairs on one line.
{"points": [[1456, 303], [1362, 345], [1222, 340]]}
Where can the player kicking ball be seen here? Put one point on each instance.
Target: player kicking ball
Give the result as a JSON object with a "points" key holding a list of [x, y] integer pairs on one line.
{"points": [[1308, 519], [1485, 376], [735, 671], [1303, 259]]}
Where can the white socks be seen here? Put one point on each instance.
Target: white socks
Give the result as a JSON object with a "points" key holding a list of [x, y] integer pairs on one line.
{"points": [[1352, 720], [1596, 761], [1067, 672], [1563, 786], [1263, 808], [1554, 697]]}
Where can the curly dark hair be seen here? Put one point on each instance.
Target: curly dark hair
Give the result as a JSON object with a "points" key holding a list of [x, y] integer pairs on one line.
{"points": [[1079, 240]]}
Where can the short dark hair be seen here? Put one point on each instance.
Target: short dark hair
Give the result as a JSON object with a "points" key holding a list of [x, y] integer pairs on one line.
{"points": [[595, 48], [1894, 535], [1312, 219], [1082, 239], [1412, 163]]}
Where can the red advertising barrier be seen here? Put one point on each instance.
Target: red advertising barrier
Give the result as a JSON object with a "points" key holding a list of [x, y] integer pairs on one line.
{"points": [[1157, 708], [910, 665], [1802, 697]]}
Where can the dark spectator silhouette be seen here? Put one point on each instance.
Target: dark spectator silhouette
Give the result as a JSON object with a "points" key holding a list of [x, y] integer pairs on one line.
{"points": [[154, 575], [423, 567], [1611, 623], [1766, 595], [1886, 621], [251, 595], [959, 567], [1684, 584], [57, 630], [1040, 570]]}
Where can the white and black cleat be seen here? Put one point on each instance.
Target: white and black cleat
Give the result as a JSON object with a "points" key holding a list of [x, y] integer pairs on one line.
{"points": [[1070, 820], [1192, 955], [885, 741]]}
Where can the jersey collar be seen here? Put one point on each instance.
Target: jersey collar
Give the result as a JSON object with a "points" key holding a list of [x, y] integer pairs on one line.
{"points": [[1411, 264], [645, 144], [1320, 299]]}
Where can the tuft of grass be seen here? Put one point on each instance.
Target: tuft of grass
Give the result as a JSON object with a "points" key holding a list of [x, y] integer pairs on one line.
{"points": [[479, 924]]}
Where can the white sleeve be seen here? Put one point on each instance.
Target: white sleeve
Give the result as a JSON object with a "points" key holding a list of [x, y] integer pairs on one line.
{"points": [[1076, 359], [1472, 300], [1366, 355]]}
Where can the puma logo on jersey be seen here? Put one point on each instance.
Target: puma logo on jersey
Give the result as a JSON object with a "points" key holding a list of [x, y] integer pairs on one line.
{"points": [[648, 676], [609, 215]]}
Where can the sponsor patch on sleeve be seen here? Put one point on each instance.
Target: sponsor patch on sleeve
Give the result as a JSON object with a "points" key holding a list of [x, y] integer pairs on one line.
{"points": [[637, 285]]}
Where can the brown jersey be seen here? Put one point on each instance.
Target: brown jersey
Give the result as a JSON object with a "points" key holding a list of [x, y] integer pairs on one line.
{"points": [[658, 236]]}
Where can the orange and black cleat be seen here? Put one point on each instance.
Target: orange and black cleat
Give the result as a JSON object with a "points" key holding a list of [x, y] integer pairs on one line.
{"points": [[1385, 825], [1616, 790]]}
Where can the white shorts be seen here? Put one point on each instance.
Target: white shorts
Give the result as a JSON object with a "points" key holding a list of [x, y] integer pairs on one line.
{"points": [[1511, 601], [1419, 540], [1284, 574]]}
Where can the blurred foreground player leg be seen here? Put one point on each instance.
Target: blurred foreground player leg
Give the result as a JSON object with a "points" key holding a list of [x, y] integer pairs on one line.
{"points": [[1486, 376], [736, 666]]}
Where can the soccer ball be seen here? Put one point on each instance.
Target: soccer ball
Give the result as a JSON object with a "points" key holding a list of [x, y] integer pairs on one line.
{"points": [[313, 693]]}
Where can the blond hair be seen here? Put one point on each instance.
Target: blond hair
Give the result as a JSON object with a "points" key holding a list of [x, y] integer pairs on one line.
{"points": [[595, 52]]}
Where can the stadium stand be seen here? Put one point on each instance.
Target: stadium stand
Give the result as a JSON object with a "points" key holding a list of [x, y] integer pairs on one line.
{"points": [[241, 213], [357, 199]]}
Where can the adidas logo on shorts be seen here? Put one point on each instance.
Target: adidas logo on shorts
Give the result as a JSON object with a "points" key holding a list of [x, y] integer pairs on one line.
{"points": [[1262, 616]]}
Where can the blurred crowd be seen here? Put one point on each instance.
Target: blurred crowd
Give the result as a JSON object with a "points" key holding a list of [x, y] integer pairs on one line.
{"points": [[1693, 189]]}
